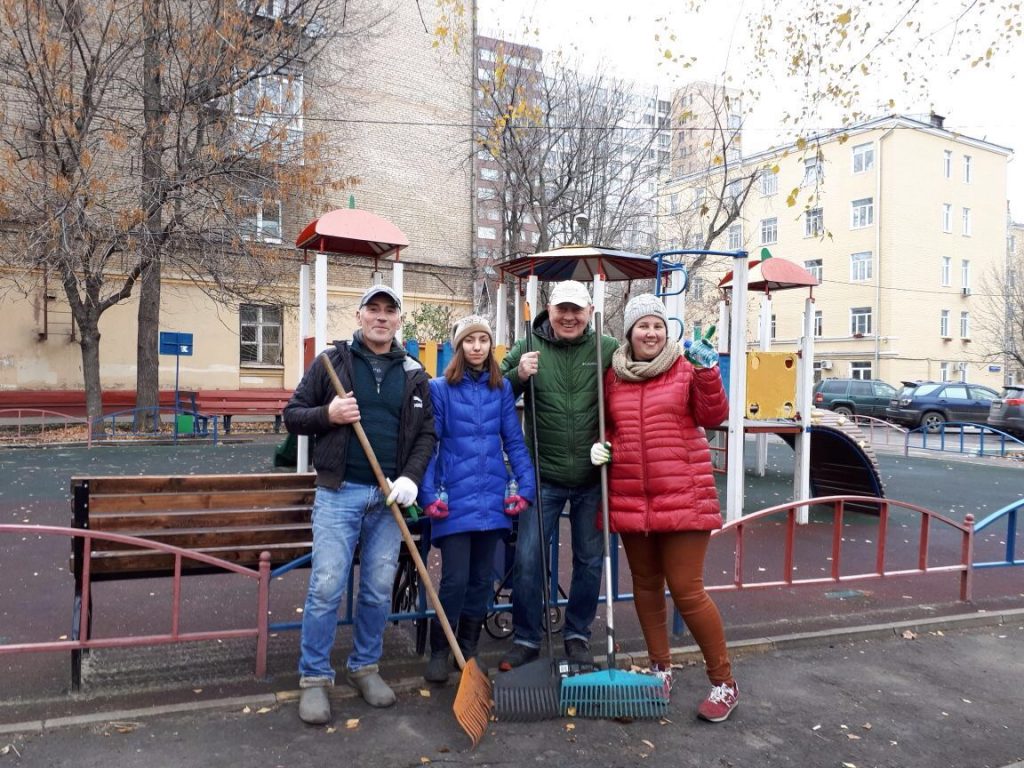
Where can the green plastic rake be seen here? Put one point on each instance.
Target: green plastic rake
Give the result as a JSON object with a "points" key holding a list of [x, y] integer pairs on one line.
{"points": [[611, 693]]}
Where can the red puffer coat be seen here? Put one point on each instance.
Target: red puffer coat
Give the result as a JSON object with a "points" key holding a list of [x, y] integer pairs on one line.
{"points": [[660, 477]]}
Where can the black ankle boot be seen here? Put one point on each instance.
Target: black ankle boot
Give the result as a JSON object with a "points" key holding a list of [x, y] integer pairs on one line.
{"points": [[469, 636], [437, 667]]}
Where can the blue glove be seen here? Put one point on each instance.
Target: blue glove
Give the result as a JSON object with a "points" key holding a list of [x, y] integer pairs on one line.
{"points": [[701, 352]]}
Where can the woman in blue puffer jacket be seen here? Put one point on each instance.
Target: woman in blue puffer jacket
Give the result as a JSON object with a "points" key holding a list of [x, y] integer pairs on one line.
{"points": [[464, 488]]}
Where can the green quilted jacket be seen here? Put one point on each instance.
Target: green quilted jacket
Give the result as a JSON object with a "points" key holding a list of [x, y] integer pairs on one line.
{"points": [[566, 384]]}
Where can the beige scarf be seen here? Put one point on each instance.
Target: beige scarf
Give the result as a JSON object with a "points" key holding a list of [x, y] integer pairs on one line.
{"points": [[628, 369]]}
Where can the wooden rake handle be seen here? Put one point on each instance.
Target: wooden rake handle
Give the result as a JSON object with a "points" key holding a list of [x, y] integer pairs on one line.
{"points": [[400, 519]]}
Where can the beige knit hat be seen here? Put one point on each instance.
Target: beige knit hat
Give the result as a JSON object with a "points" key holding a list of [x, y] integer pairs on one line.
{"points": [[467, 325], [641, 306]]}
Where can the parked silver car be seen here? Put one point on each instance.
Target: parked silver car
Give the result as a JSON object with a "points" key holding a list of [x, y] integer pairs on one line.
{"points": [[1007, 411]]}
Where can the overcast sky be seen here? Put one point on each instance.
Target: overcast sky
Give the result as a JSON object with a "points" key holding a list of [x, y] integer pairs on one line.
{"points": [[985, 103]]}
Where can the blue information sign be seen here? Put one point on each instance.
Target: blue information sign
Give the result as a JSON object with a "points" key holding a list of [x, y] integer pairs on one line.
{"points": [[174, 343]]}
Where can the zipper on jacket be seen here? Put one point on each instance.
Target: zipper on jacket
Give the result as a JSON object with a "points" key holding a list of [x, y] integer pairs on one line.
{"points": [[643, 462]]}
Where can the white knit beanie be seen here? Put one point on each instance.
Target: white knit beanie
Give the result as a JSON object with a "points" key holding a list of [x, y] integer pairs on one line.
{"points": [[467, 325], [641, 306]]}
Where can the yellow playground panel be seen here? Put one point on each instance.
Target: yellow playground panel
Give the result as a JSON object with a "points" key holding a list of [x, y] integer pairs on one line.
{"points": [[429, 351], [771, 385]]}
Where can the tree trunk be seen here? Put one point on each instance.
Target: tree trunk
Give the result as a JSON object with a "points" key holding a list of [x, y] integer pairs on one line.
{"points": [[90, 344], [147, 381]]}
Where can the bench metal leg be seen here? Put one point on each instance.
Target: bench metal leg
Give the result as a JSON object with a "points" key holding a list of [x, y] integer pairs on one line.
{"points": [[277, 424], [227, 423]]}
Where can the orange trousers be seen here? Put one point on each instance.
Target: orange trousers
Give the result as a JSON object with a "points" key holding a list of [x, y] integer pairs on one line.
{"points": [[678, 559]]}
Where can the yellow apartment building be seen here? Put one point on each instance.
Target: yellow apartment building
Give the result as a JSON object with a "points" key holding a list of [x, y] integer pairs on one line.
{"points": [[900, 219]]}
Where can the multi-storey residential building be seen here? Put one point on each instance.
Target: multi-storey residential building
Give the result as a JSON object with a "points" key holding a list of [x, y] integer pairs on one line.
{"points": [[899, 218], [399, 112], [702, 113]]}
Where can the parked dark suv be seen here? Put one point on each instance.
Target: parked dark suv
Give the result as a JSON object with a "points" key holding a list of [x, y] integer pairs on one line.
{"points": [[934, 403], [1007, 411], [867, 397]]}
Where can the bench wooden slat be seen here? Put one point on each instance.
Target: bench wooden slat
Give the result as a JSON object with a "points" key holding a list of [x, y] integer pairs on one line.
{"points": [[200, 539], [108, 566], [128, 522], [187, 483], [200, 501]]}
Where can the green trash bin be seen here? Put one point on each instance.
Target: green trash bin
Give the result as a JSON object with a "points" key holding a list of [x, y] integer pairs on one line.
{"points": [[185, 423]]}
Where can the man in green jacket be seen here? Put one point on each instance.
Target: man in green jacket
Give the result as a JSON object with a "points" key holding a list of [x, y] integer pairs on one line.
{"points": [[563, 364]]}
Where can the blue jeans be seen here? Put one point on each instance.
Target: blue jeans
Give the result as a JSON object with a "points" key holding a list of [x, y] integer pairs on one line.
{"points": [[587, 554], [352, 514]]}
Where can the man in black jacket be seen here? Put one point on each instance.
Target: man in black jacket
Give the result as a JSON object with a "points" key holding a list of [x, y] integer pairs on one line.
{"points": [[390, 396]]}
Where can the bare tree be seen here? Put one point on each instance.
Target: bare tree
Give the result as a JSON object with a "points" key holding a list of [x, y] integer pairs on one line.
{"points": [[1000, 314], [144, 137]]}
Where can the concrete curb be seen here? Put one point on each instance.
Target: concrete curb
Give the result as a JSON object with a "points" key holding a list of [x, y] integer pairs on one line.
{"points": [[889, 631]]}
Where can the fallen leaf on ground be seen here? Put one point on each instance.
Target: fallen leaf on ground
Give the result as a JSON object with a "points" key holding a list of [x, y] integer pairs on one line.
{"points": [[649, 744], [866, 726], [853, 736], [570, 726], [352, 723], [262, 710], [909, 634], [424, 693], [330, 729], [246, 709]]}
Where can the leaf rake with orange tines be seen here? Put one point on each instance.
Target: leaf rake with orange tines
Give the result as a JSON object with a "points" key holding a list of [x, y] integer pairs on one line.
{"points": [[473, 701]]}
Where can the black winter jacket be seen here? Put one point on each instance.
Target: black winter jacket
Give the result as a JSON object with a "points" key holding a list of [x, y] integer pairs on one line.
{"points": [[306, 414]]}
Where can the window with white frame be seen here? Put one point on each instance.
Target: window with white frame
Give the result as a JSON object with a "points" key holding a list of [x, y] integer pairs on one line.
{"points": [[673, 203], [947, 163], [965, 325], [861, 370], [269, 112], [814, 266], [947, 217], [735, 237], [947, 267], [944, 371], [860, 266], [860, 321], [862, 213], [967, 169], [769, 182], [965, 273], [261, 220], [486, 233], [773, 328], [966, 221], [819, 323], [259, 332], [769, 231], [863, 158], [490, 174], [814, 172], [944, 323], [814, 222]]}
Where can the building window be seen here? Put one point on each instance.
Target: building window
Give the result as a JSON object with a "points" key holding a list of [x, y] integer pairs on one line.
{"points": [[735, 237], [261, 220], [490, 174], [773, 328], [967, 169], [769, 231], [947, 217], [769, 183], [965, 274], [860, 321], [673, 203], [944, 323], [863, 158], [814, 266], [943, 371], [814, 173], [863, 213], [814, 222], [486, 233], [486, 193], [860, 266], [269, 112], [947, 163], [965, 325], [861, 370], [260, 334], [947, 267], [966, 217], [819, 323]]}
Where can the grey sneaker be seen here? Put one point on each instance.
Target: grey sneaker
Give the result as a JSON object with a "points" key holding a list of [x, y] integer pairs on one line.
{"points": [[315, 705], [371, 686]]}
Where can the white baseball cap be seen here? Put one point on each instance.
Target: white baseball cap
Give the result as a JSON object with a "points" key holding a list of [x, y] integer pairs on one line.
{"points": [[570, 292]]}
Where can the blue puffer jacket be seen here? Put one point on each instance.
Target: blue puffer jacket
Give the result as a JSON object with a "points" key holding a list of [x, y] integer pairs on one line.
{"points": [[474, 423]]}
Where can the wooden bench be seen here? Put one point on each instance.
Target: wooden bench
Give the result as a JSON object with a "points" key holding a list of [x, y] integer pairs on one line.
{"points": [[242, 402], [71, 402], [231, 517]]}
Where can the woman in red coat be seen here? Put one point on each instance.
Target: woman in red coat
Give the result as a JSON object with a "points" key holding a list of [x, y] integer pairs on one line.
{"points": [[662, 497]]}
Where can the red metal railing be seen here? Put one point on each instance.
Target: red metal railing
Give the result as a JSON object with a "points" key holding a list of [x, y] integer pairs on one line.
{"points": [[838, 504], [84, 641]]}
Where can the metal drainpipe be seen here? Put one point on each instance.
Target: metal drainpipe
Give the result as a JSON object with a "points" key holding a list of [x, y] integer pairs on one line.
{"points": [[876, 373]]}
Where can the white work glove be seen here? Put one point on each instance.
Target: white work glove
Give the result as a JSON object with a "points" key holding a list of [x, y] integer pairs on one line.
{"points": [[403, 492], [601, 453]]}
